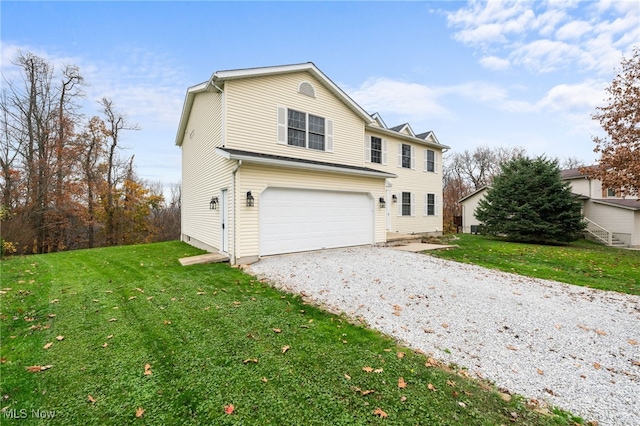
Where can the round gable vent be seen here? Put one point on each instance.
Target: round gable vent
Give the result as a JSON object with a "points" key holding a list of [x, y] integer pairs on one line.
{"points": [[307, 89]]}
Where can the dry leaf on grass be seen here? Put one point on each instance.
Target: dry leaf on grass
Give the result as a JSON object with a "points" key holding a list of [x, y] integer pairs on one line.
{"points": [[113, 319], [105, 344], [400, 354], [378, 370], [166, 322], [378, 412], [59, 338], [285, 348], [367, 369], [48, 345], [38, 368], [277, 330], [348, 377], [247, 361], [401, 383], [139, 412], [431, 387], [91, 399], [228, 409], [147, 370]]}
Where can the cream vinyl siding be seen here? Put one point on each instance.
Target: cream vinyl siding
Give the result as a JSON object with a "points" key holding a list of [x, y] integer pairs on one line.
{"points": [[413, 180], [582, 187], [256, 178], [204, 173], [252, 118]]}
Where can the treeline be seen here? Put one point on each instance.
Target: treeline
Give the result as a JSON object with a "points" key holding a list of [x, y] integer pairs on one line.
{"points": [[65, 183]]}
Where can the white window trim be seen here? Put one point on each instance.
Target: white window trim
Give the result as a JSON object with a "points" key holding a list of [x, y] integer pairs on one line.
{"points": [[282, 130], [367, 150], [413, 156], [436, 211], [413, 204], [435, 161]]}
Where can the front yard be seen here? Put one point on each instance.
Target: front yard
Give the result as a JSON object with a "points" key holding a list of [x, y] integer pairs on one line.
{"points": [[581, 263], [126, 335]]}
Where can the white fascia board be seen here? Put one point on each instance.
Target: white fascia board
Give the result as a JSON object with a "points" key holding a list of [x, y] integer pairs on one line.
{"points": [[285, 69], [186, 109], [407, 137], [305, 166]]}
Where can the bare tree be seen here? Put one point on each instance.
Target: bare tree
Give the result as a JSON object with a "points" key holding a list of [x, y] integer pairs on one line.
{"points": [[115, 122]]}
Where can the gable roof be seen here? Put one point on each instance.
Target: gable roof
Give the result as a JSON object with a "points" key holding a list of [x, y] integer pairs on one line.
{"points": [[619, 202], [575, 173], [218, 78], [477, 191], [403, 128]]}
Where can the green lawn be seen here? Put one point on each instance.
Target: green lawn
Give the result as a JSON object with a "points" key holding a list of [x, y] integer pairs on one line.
{"points": [[581, 263], [125, 329]]}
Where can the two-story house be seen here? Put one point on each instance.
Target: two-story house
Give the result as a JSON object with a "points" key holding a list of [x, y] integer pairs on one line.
{"points": [[279, 160], [611, 219]]}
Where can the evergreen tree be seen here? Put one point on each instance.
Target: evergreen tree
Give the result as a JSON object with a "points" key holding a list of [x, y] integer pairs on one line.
{"points": [[528, 202]]}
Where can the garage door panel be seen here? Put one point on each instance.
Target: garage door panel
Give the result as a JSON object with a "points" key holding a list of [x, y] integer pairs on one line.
{"points": [[298, 220]]}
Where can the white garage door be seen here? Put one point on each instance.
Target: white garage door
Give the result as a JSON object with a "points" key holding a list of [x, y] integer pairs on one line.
{"points": [[293, 220]]}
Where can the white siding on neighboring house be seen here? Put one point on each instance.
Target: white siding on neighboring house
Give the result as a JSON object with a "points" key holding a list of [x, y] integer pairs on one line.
{"points": [[469, 205]]}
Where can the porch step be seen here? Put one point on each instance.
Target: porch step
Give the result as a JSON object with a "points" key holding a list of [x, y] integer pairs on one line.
{"points": [[396, 239]]}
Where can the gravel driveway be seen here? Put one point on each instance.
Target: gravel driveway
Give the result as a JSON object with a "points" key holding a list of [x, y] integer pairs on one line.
{"points": [[573, 347]]}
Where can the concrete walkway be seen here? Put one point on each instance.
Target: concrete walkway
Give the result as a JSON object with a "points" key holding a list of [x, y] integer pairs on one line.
{"points": [[418, 247], [204, 258]]}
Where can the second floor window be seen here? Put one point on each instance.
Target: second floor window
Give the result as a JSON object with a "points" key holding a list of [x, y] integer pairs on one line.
{"points": [[429, 160], [298, 128], [376, 150], [405, 156]]}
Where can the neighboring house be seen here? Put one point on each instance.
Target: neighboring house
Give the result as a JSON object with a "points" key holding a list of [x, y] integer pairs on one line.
{"points": [[280, 160], [611, 219], [469, 204]]}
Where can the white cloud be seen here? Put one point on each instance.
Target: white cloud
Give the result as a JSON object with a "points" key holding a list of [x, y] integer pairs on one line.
{"points": [[548, 36], [573, 30], [494, 63], [584, 97], [410, 100]]}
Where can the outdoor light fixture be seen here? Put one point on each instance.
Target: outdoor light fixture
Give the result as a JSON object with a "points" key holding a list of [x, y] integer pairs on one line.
{"points": [[249, 199], [382, 203], [213, 204], [394, 198]]}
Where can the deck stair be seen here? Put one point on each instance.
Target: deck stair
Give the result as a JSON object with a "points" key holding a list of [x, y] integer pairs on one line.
{"points": [[599, 234]]}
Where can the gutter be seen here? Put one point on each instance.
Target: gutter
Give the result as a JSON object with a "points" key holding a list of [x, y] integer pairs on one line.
{"points": [[235, 227]]}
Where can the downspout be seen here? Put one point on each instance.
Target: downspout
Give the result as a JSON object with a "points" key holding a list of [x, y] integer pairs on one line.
{"points": [[233, 174]]}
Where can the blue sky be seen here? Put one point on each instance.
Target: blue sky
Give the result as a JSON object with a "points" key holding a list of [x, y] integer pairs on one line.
{"points": [[509, 73]]}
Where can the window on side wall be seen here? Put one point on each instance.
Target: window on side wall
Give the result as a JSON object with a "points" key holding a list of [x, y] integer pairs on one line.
{"points": [[375, 150], [611, 192]]}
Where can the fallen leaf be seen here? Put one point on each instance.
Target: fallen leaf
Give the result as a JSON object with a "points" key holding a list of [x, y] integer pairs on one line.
{"points": [[428, 330], [367, 369], [431, 387], [431, 362], [113, 319], [367, 392], [34, 369], [247, 361], [277, 330], [264, 380], [59, 338], [378, 412], [512, 348], [462, 404], [540, 372], [147, 370], [166, 322], [285, 348], [451, 383], [378, 370], [200, 293], [51, 315], [596, 366], [403, 398], [348, 377], [110, 336], [54, 301], [401, 383], [133, 297], [228, 409], [150, 297], [400, 354], [139, 289], [48, 345], [600, 332], [632, 342], [139, 412], [91, 399], [636, 363], [105, 344]]}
